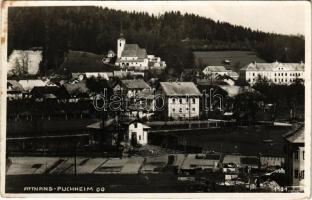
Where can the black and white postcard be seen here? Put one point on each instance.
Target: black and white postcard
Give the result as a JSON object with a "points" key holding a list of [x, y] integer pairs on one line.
{"points": [[156, 99]]}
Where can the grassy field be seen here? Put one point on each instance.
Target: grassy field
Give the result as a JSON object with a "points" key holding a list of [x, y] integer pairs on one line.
{"points": [[238, 59]]}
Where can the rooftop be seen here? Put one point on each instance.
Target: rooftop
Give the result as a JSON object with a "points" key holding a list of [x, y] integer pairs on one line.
{"points": [[254, 66], [135, 84], [295, 136], [76, 88], [180, 89], [29, 84], [15, 86], [133, 50], [233, 90], [216, 68]]}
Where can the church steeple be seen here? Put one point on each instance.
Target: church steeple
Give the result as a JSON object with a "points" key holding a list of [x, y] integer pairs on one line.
{"points": [[121, 42]]}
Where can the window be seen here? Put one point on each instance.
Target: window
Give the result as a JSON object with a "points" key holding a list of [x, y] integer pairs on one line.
{"points": [[135, 125], [173, 101], [296, 154], [181, 110], [193, 100], [285, 74], [302, 175], [173, 110], [139, 137], [274, 74], [275, 80], [180, 100], [193, 109], [296, 173]]}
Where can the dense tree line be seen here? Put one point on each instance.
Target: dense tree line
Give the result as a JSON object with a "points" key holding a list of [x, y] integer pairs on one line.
{"points": [[171, 35]]}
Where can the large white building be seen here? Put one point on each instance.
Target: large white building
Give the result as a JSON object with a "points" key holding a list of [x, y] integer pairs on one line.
{"points": [[181, 99], [277, 73], [131, 56]]}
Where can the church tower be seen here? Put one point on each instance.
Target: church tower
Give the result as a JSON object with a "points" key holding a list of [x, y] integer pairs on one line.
{"points": [[121, 41]]}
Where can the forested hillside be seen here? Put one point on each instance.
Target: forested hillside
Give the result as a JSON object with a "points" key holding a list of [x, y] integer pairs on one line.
{"points": [[173, 36]]}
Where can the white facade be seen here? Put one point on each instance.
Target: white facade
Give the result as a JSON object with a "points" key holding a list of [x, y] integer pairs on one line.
{"points": [[215, 71], [298, 167], [134, 62], [120, 46], [102, 75], [138, 132], [183, 107], [277, 73]]}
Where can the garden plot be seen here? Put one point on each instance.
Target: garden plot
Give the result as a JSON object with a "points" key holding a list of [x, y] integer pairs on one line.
{"points": [[30, 165], [133, 165], [111, 166], [68, 166], [154, 164]]}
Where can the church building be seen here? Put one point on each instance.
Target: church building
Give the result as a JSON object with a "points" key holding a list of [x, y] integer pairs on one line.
{"points": [[131, 56]]}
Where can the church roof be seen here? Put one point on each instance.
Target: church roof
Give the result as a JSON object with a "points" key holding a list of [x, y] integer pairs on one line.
{"points": [[133, 50]]}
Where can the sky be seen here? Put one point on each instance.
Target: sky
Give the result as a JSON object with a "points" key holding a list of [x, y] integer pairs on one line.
{"points": [[285, 17]]}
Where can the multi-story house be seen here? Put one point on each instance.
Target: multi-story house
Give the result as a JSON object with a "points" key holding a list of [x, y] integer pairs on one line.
{"points": [[295, 156], [277, 73], [180, 99], [131, 87]]}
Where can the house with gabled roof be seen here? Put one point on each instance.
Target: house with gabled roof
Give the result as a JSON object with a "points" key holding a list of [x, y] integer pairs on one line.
{"points": [[180, 100], [131, 87], [130, 132]]}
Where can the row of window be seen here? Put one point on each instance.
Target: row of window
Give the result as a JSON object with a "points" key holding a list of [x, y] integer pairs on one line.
{"points": [[127, 64], [181, 109], [277, 80], [279, 74], [181, 100]]}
